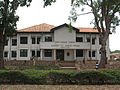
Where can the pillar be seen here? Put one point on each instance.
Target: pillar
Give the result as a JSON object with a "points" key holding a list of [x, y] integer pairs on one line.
{"points": [[75, 54], [54, 54], [41, 54]]}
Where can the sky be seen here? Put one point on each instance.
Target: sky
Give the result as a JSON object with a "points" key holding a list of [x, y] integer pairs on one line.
{"points": [[56, 15]]}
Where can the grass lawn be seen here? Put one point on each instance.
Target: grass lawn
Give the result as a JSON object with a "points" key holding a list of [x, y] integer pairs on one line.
{"points": [[40, 67]]}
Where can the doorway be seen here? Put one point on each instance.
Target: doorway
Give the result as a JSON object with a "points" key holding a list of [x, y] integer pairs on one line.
{"points": [[60, 55]]}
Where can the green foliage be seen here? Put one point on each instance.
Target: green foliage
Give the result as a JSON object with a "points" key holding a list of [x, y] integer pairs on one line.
{"points": [[54, 77], [115, 74], [116, 51], [107, 11], [92, 78], [39, 67], [48, 2], [35, 77], [8, 17], [12, 77]]}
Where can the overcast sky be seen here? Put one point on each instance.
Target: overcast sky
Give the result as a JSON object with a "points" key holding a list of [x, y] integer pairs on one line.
{"points": [[57, 14]]}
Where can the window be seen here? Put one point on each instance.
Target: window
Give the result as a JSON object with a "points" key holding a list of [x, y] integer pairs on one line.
{"points": [[88, 39], [48, 39], [14, 42], [5, 54], [89, 53], [33, 53], [79, 53], [68, 54], [38, 53], [6, 42], [93, 40], [33, 40], [23, 40], [93, 53], [14, 54], [23, 52], [38, 40], [48, 53], [79, 39], [99, 41]]}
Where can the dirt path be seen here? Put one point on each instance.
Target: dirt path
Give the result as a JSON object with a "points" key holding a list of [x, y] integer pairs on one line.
{"points": [[59, 87]]}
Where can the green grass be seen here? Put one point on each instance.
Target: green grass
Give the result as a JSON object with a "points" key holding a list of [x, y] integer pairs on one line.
{"points": [[40, 67]]}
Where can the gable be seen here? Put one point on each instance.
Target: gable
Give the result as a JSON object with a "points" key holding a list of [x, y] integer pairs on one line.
{"points": [[64, 25]]}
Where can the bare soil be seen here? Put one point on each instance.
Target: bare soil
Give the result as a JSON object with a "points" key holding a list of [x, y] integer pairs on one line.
{"points": [[59, 87]]}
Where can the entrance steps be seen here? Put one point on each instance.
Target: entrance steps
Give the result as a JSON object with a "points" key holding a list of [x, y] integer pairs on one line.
{"points": [[68, 68], [67, 65]]}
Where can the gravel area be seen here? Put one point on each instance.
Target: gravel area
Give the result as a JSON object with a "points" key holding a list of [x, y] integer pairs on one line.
{"points": [[59, 87]]}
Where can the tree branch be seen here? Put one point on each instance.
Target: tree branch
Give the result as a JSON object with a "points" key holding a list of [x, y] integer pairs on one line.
{"points": [[84, 13], [95, 16]]}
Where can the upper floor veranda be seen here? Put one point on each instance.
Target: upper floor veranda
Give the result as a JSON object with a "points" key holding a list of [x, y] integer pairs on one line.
{"points": [[46, 36]]}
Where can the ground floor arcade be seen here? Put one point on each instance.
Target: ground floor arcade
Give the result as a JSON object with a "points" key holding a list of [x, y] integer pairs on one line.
{"points": [[52, 54]]}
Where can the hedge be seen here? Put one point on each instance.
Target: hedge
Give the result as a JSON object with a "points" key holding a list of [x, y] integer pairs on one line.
{"points": [[57, 77]]}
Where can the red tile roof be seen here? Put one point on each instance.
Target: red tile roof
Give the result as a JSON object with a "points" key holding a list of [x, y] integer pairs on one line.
{"points": [[87, 29], [38, 28], [47, 28]]}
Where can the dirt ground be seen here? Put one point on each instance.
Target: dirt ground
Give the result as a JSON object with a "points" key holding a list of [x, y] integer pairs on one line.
{"points": [[59, 87]]}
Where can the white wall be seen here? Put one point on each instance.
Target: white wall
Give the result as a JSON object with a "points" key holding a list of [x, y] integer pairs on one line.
{"points": [[70, 57], [60, 35], [63, 34]]}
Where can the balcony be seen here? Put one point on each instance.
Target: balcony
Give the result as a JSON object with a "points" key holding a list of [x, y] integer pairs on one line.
{"points": [[64, 45]]}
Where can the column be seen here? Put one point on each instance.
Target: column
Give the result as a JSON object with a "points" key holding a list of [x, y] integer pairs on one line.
{"points": [[54, 54], [85, 54], [90, 46], [41, 54], [75, 54]]}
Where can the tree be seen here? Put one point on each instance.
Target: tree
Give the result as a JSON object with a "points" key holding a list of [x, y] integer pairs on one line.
{"points": [[106, 17], [8, 19]]}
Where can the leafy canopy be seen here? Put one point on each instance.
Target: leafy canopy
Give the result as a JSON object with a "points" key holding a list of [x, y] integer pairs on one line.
{"points": [[106, 12], [8, 17]]}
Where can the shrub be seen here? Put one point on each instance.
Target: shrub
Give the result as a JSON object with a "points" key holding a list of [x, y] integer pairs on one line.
{"points": [[55, 78], [12, 77], [91, 78], [35, 76], [115, 74]]}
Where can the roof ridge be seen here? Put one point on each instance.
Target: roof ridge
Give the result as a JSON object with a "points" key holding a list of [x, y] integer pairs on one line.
{"points": [[36, 26]]}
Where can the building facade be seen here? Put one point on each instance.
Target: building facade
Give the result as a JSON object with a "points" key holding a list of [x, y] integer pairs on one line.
{"points": [[47, 42]]}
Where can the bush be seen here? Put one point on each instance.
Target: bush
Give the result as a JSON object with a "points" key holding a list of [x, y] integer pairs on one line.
{"points": [[115, 74], [91, 78], [12, 77], [56, 77], [35, 76]]}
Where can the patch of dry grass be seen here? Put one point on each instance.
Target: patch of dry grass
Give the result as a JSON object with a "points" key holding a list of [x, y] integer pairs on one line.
{"points": [[59, 87]]}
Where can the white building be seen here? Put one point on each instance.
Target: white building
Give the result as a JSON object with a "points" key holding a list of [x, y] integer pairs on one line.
{"points": [[47, 42]]}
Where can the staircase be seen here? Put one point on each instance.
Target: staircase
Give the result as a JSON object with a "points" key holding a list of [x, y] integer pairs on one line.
{"points": [[67, 65]]}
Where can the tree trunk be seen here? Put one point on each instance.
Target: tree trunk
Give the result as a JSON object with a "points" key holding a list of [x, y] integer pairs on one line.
{"points": [[103, 60], [1, 52]]}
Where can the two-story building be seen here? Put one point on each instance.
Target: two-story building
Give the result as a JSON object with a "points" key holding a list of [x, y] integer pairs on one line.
{"points": [[48, 42]]}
